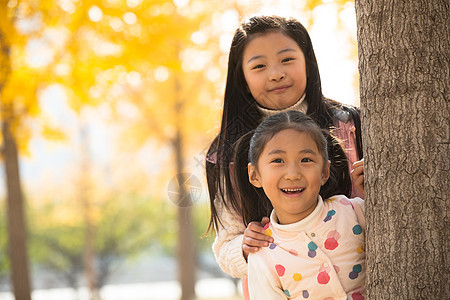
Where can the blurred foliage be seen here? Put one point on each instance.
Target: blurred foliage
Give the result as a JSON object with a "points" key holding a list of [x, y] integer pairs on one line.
{"points": [[126, 226], [201, 220], [4, 259]]}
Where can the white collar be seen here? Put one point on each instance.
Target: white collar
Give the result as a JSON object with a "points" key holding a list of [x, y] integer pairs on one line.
{"points": [[302, 225], [300, 105]]}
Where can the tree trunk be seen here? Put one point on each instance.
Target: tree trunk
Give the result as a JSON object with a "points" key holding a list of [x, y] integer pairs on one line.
{"points": [[16, 218], [186, 247], [85, 200], [14, 204], [404, 79]]}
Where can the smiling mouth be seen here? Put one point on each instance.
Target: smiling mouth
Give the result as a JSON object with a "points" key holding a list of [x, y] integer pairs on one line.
{"points": [[293, 191], [279, 89]]}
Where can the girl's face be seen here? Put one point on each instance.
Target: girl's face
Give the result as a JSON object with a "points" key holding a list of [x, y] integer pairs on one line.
{"points": [[274, 69], [291, 171]]}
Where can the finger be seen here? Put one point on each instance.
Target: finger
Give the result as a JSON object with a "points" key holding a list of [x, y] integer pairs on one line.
{"points": [[251, 242], [255, 231], [264, 222], [247, 250], [359, 183], [357, 170], [256, 227], [358, 163], [356, 173], [248, 234], [360, 180]]}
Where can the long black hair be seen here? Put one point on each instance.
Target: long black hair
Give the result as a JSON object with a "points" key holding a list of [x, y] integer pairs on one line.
{"points": [[241, 114]]}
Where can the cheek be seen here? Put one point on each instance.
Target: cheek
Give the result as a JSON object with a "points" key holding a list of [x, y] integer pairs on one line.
{"points": [[301, 75], [252, 83]]}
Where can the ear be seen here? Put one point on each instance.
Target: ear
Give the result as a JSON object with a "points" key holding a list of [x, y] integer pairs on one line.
{"points": [[253, 176], [326, 172]]}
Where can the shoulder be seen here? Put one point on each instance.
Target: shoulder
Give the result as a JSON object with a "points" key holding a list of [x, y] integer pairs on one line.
{"points": [[353, 208], [343, 202]]}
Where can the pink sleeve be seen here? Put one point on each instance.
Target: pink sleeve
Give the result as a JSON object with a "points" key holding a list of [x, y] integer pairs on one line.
{"points": [[346, 133]]}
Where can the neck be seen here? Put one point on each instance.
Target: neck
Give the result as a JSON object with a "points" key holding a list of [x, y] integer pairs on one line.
{"points": [[300, 106]]}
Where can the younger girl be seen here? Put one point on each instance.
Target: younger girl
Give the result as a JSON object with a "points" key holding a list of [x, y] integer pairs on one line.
{"points": [[271, 68], [318, 247]]}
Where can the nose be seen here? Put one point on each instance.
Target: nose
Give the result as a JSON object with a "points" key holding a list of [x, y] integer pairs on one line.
{"points": [[277, 74], [293, 172]]}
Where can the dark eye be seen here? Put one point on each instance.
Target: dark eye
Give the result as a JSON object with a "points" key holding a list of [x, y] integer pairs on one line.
{"points": [[277, 161], [258, 67], [287, 59], [306, 159]]}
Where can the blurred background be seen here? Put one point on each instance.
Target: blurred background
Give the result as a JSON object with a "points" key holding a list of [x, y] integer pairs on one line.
{"points": [[112, 105]]}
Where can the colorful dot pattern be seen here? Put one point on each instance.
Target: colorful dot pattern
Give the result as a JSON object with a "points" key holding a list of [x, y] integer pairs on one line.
{"points": [[312, 247], [280, 270], [356, 270], [291, 276], [297, 277], [330, 214], [331, 242], [357, 229], [324, 276]]}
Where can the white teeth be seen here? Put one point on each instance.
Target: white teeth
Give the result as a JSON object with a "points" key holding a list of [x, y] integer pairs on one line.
{"points": [[292, 190]]}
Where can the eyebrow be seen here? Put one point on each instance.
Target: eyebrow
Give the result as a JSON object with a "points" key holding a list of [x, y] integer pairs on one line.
{"points": [[279, 151], [278, 53]]}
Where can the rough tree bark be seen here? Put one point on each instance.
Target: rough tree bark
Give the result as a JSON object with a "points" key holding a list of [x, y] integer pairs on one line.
{"points": [[404, 79]]}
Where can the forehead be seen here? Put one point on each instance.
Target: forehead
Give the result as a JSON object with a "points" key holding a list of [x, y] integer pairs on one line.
{"points": [[290, 140], [269, 42]]}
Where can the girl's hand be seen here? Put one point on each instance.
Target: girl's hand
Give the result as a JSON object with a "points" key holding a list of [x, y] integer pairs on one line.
{"points": [[255, 237], [358, 175]]}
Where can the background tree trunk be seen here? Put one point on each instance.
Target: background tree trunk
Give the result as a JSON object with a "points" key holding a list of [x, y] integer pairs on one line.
{"points": [[85, 200], [16, 218], [17, 239], [404, 79], [186, 247]]}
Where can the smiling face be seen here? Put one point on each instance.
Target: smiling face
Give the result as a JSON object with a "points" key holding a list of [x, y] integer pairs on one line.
{"points": [[274, 69], [291, 171]]}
